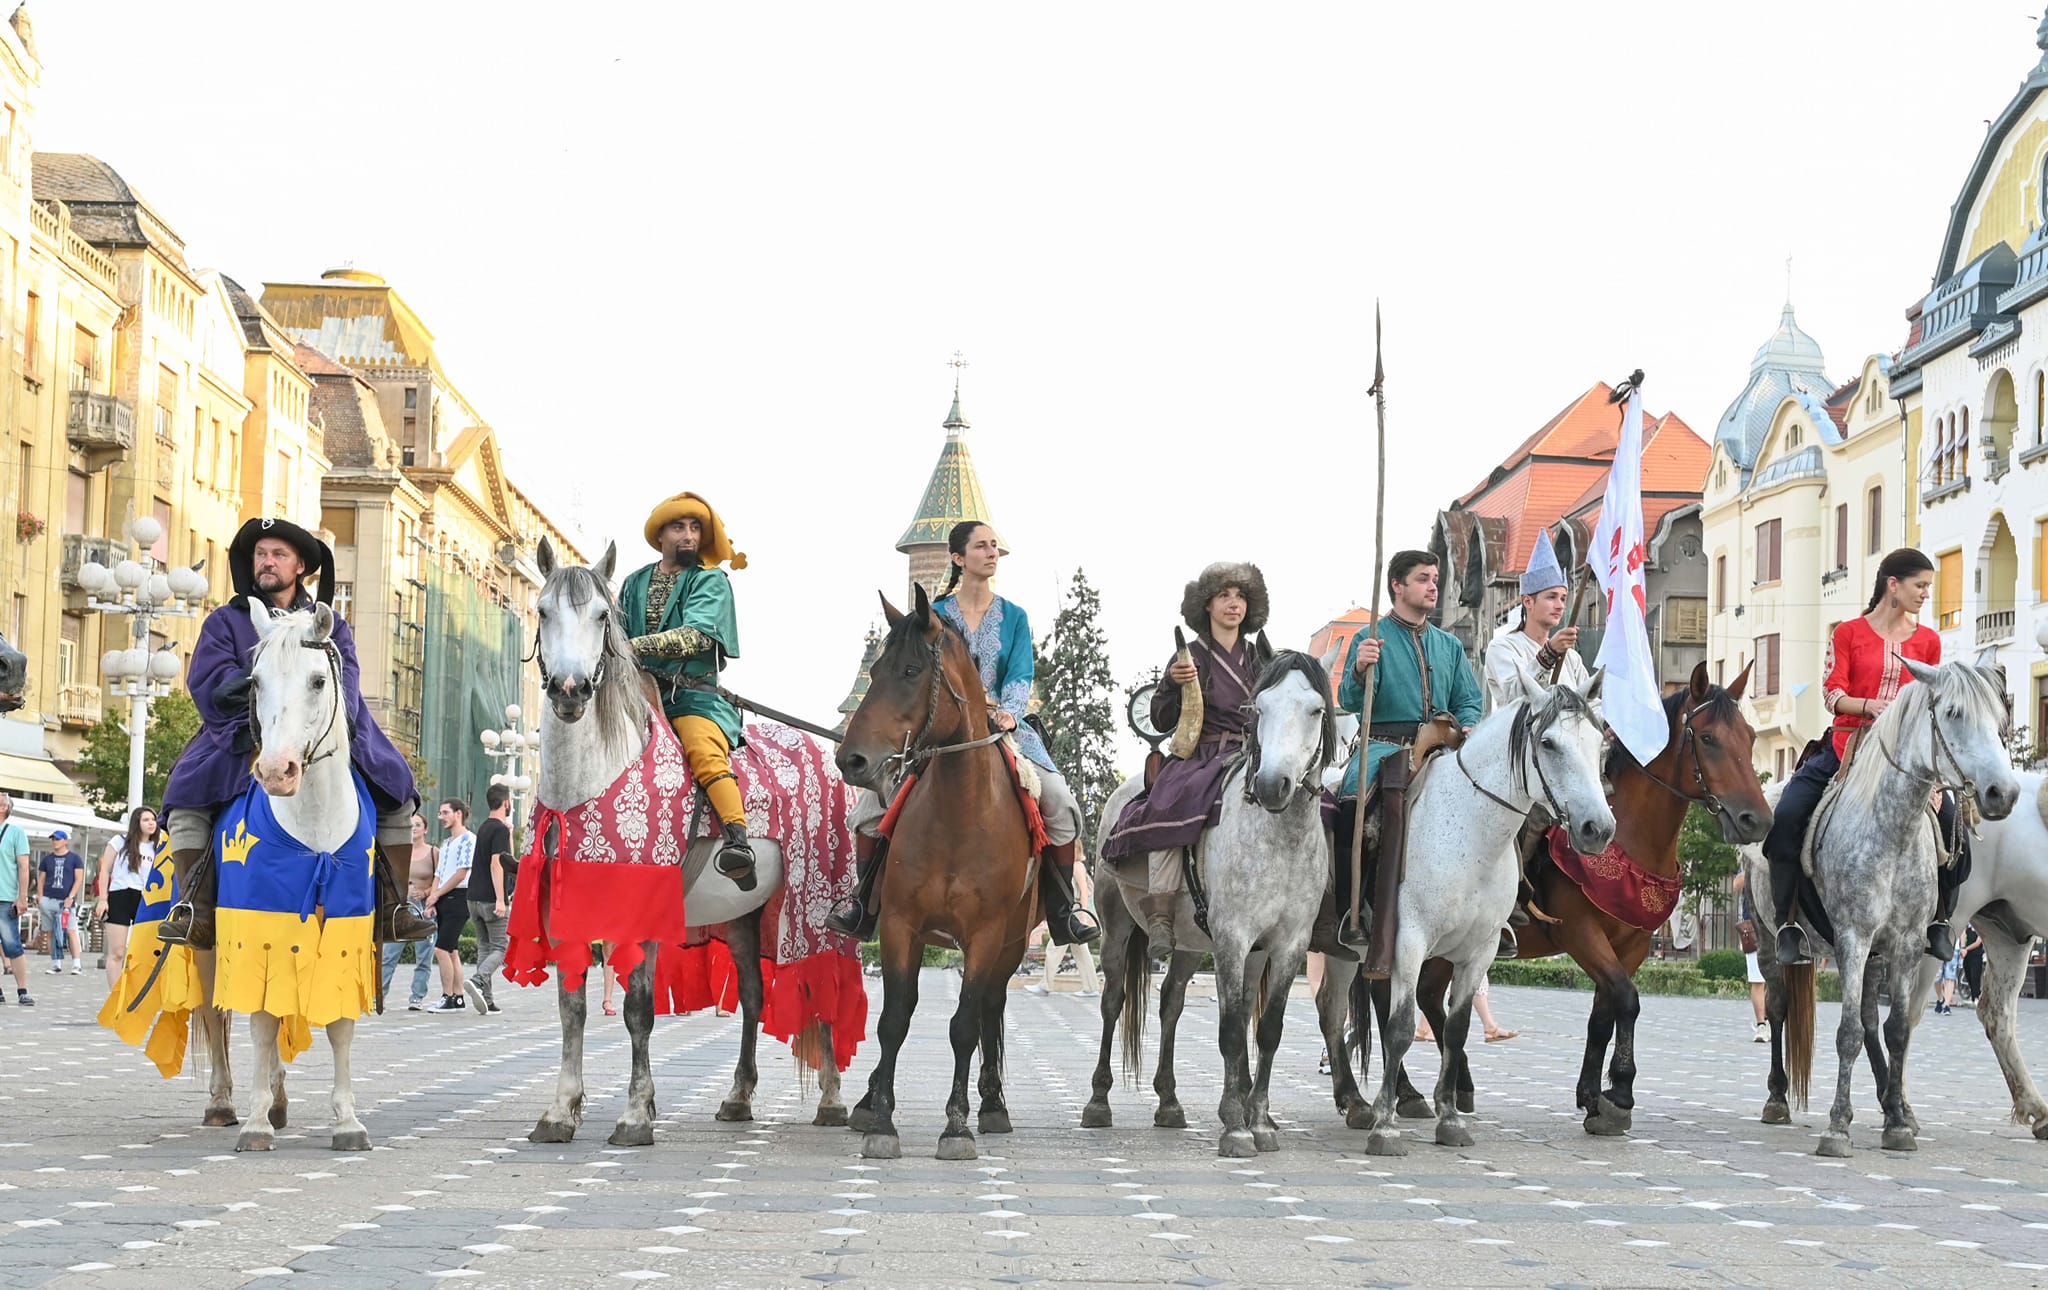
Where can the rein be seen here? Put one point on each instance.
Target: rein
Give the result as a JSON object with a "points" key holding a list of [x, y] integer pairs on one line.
{"points": [[333, 656], [1526, 721], [913, 757], [1687, 739], [1246, 758]]}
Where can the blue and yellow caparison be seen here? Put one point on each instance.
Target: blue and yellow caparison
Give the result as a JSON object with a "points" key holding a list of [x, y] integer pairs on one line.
{"points": [[161, 1023]]}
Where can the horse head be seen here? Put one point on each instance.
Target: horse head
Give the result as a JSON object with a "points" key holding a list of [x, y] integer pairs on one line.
{"points": [[1293, 732], [579, 634], [1969, 719], [1557, 742], [295, 698], [13, 676], [923, 689], [1710, 755]]}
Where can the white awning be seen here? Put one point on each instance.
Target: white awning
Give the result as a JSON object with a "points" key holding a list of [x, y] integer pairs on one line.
{"points": [[19, 774], [87, 830]]}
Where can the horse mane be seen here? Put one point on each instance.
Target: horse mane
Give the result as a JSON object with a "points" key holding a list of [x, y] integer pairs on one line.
{"points": [[1539, 715], [1719, 706], [1311, 669], [1864, 779], [621, 703]]}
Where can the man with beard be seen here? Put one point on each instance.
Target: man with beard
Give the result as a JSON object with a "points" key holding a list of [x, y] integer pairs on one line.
{"points": [[268, 562]]}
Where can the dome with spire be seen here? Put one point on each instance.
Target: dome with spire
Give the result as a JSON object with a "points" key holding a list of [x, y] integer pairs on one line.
{"points": [[1789, 362], [952, 494]]}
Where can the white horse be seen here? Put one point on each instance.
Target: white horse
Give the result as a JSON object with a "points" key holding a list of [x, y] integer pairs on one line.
{"points": [[303, 765], [2006, 895], [1464, 813], [586, 659], [1262, 870], [1871, 853]]}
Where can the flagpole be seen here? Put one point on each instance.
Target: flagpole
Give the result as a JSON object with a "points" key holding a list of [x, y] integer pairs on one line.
{"points": [[1370, 680], [1579, 580]]}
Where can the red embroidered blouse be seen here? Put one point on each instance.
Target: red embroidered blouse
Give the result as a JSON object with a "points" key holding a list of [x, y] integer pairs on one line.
{"points": [[1864, 665]]}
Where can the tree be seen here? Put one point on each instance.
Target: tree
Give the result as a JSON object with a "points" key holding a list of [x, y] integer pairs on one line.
{"points": [[1078, 706], [173, 721], [1705, 862]]}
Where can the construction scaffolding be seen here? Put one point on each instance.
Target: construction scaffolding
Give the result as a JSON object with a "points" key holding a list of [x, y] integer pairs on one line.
{"points": [[469, 671]]}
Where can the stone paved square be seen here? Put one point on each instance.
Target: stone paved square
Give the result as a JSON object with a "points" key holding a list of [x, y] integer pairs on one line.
{"points": [[107, 1180]]}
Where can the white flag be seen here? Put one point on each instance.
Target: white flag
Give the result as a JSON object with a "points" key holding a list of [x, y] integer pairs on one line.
{"points": [[1629, 696]]}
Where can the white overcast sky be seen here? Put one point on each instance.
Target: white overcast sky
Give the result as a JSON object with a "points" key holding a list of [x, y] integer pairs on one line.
{"points": [[731, 247]]}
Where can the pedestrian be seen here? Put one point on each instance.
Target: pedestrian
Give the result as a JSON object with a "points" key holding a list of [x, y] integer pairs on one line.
{"points": [[1945, 984], [1973, 964], [448, 902], [1759, 992], [14, 886], [60, 880], [598, 954], [490, 893], [125, 869], [421, 858]]}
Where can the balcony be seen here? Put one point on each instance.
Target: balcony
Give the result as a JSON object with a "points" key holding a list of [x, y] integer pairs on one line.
{"points": [[80, 549], [78, 705], [101, 426], [1994, 628]]}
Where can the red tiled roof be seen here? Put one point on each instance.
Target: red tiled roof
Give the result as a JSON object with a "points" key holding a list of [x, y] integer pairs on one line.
{"points": [[1337, 633], [1839, 403]]}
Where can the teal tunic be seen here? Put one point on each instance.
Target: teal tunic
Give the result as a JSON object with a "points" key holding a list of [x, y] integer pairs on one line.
{"points": [[1397, 695], [703, 600]]}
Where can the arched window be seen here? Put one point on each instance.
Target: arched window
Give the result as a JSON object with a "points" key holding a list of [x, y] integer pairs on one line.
{"points": [[1963, 448], [2040, 405]]}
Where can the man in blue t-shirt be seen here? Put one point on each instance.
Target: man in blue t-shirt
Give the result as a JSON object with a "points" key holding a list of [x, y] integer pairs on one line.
{"points": [[60, 876], [14, 882]]}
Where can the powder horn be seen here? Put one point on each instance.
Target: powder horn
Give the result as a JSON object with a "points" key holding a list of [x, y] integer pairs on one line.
{"points": [[1188, 732]]}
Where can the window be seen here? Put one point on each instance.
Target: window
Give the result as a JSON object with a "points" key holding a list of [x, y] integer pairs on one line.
{"points": [[1948, 590], [166, 400], [1721, 475], [1767, 553], [1685, 620], [1873, 522], [222, 476], [200, 454], [341, 522], [1780, 763], [75, 518], [1963, 448], [344, 598], [7, 141], [31, 335], [281, 485], [1792, 436], [2041, 563], [412, 398], [1842, 536], [1720, 583], [2040, 408], [20, 632], [162, 550], [69, 632], [1767, 664], [85, 358]]}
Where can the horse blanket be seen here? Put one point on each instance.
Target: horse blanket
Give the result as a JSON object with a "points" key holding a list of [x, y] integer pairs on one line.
{"points": [[1616, 884], [161, 1023]]}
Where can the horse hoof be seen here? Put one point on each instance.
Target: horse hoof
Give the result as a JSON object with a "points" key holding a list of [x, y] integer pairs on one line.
{"points": [[1414, 1106], [220, 1117], [881, 1146], [1453, 1135], [352, 1140], [1170, 1116], [957, 1146], [1608, 1120], [1237, 1144], [1095, 1115], [632, 1135], [1358, 1116], [992, 1121], [277, 1116], [860, 1119], [1464, 1101], [1777, 1113], [1835, 1145], [830, 1117], [1266, 1139], [1899, 1138], [1386, 1142], [254, 1140], [732, 1111], [2041, 1131], [553, 1131]]}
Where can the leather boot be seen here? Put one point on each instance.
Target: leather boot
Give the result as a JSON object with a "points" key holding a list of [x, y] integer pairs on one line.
{"points": [[736, 858], [1791, 946], [1322, 937], [190, 921], [857, 915], [1064, 918], [1941, 941], [1155, 911], [395, 920], [1508, 948], [1386, 869]]}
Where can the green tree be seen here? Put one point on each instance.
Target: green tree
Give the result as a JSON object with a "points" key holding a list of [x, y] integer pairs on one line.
{"points": [[1705, 862], [1077, 705], [173, 721]]}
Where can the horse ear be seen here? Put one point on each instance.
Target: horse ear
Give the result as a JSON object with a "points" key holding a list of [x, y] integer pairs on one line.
{"points": [[1920, 671], [890, 613], [1701, 683], [544, 558], [259, 614], [606, 563], [1330, 659], [1591, 693], [1265, 647], [1741, 680], [323, 625], [922, 610]]}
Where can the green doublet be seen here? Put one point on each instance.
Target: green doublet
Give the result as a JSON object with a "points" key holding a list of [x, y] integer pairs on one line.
{"points": [[703, 601], [1398, 693]]}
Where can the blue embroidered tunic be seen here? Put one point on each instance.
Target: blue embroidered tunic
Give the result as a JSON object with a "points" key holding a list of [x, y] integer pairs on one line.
{"points": [[1004, 656]]}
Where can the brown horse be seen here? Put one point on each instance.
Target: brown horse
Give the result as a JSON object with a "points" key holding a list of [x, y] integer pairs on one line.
{"points": [[1706, 761], [960, 863]]}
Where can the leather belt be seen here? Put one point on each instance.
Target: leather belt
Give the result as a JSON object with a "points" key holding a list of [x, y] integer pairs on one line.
{"points": [[1394, 732]]}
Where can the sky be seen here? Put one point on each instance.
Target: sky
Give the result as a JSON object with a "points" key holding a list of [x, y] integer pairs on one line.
{"points": [[731, 248]]}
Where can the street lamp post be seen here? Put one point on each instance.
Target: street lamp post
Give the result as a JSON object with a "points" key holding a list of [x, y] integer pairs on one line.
{"points": [[144, 591], [510, 748]]}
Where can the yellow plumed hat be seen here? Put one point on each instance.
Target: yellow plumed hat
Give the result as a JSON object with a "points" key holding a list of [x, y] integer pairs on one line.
{"points": [[715, 548]]}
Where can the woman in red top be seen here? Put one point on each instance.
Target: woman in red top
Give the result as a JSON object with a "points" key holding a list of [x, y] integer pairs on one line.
{"points": [[1864, 674]]}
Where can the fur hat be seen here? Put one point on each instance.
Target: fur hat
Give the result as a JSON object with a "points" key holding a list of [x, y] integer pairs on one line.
{"points": [[318, 557], [714, 547], [1194, 602]]}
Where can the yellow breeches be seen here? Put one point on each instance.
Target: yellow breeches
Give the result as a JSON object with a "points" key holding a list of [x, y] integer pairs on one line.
{"points": [[710, 758]]}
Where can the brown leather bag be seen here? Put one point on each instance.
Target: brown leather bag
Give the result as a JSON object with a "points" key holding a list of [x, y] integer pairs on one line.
{"points": [[1745, 929]]}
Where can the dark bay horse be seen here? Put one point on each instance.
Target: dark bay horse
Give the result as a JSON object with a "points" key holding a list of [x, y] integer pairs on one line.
{"points": [[961, 866], [1706, 761]]}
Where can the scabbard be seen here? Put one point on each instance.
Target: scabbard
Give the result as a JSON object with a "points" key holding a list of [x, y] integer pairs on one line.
{"points": [[1393, 786]]}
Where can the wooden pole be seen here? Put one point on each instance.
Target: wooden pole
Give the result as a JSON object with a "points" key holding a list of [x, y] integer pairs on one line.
{"points": [[1371, 678]]}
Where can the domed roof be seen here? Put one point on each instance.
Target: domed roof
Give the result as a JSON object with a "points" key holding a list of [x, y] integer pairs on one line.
{"points": [[1789, 348], [1790, 362]]}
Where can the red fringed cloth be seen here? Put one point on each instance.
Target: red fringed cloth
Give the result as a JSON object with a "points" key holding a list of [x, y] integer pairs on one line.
{"points": [[1616, 884], [1034, 820], [793, 795]]}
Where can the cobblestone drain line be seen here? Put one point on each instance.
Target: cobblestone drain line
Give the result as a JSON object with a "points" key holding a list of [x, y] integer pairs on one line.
{"points": [[106, 1181]]}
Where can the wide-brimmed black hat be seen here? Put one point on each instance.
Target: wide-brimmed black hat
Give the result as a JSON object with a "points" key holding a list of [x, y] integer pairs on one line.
{"points": [[318, 556]]}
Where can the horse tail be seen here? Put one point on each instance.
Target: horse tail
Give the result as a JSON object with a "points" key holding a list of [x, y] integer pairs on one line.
{"points": [[1361, 1014], [808, 1047], [1137, 1003], [1799, 988]]}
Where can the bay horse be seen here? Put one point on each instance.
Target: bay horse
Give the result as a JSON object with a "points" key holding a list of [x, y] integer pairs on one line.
{"points": [[1705, 762], [1263, 864], [961, 863]]}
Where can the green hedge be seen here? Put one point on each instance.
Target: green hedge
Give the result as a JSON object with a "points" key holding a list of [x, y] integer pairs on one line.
{"points": [[1668, 977], [1725, 965]]}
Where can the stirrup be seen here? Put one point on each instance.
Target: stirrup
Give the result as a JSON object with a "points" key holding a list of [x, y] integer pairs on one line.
{"points": [[171, 932], [850, 918], [735, 858], [1792, 950], [1509, 948]]}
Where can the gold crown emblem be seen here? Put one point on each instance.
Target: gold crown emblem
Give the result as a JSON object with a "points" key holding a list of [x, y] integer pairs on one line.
{"points": [[235, 850]]}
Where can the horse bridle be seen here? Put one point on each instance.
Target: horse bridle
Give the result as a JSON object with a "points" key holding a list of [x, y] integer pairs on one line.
{"points": [[913, 755], [1528, 720], [1689, 739], [332, 654], [1937, 747], [603, 655], [1247, 759]]}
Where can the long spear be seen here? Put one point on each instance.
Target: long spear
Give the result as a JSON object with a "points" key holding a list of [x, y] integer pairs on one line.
{"points": [[1371, 678]]}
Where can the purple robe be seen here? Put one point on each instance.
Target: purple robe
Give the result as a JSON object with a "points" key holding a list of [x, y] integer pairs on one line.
{"points": [[1187, 796], [210, 773]]}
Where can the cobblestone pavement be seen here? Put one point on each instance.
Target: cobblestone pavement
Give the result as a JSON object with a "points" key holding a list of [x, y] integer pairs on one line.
{"points": [[107, 1180]]}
